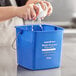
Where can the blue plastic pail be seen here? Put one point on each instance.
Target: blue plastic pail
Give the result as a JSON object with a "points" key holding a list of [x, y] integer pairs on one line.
{"points": [[40, 48]]}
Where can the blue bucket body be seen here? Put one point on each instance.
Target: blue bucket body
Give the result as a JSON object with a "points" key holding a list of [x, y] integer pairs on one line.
{"points": [[39, 49]]}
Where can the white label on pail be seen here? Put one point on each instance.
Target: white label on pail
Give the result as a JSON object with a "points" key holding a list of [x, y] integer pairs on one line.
{"points": [[48, 57], [49, 49]]}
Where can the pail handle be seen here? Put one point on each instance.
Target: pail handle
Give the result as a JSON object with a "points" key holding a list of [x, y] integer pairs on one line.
{"points": [[18, 35], [15, 40], [21, 32]]}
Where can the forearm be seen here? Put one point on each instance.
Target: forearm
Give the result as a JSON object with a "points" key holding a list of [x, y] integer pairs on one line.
{"points": [[7, 12]]}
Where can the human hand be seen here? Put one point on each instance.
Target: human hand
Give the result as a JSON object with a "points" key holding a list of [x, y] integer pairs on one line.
{"points": [[49, 7], [27, 12]]}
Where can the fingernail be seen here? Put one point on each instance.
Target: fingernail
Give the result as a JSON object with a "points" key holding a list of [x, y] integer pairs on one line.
{"points": [[34, 18]]}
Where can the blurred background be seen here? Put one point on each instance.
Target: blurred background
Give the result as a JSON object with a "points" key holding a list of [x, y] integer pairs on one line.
{"points": [[64, 13]]}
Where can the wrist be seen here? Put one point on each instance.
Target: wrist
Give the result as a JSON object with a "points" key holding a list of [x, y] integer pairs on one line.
{"points": [[18, 11], [15, 9]]}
